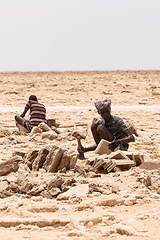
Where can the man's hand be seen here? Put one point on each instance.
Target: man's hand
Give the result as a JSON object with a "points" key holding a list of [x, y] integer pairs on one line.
{"points": [[22, 115], [114, 144], [81, 149]]}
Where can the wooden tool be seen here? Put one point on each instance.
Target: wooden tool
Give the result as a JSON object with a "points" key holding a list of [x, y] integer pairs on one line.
{"points": [[81, 153]]}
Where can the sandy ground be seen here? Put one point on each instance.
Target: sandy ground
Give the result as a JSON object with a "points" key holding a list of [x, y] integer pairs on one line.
{"points": [[69, 98]]}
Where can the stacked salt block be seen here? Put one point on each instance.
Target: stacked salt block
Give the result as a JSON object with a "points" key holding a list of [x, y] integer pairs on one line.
{"points": [[113, 161], [51, 158]]}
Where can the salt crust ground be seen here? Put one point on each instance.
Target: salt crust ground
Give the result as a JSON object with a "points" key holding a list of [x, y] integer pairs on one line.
{"points": [[138, 215]]}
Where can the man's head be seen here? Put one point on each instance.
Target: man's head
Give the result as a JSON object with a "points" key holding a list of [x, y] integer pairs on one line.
{"points": [[33, 97], [104, 109]]}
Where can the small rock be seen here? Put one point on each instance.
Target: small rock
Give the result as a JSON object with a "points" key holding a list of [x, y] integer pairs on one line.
{"points": [[50, 135], [3, 185], [77, 191], [46, 194], [35, 130], [89, 224], [44, 127], [131, 200], [123, 229], [54, 192], [37, 198]]}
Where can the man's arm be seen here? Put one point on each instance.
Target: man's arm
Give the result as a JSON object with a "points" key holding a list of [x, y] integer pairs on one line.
{"points": [[129, 137], [24, 112]]}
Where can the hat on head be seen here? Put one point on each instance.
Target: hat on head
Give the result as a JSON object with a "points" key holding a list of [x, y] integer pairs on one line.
{"points": [[105, 105]]}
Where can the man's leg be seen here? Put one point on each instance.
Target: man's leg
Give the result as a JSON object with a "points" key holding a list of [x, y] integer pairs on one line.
{"points": [[20, 120], [96, 137], [103, 133], [95, 134]]}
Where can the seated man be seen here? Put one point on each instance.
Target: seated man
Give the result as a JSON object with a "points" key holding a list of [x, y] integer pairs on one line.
{"points": [[110, 128], [37, 112]]}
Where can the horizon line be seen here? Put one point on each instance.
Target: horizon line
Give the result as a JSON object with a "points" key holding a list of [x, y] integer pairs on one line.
{"points": [[116, 70]]}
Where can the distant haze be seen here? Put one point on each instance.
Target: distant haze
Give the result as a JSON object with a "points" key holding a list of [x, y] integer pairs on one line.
{"points": [[50, 35]]}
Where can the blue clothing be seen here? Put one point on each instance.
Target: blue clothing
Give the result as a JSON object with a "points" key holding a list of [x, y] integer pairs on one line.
{"points": [[116, 126]]}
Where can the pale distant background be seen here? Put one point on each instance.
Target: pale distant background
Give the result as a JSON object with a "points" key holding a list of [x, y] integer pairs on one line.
{"points": [[50, 35]]}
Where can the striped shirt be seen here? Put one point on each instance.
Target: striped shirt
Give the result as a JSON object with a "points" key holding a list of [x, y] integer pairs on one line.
{"points": [[37, 112], [116, 126]]}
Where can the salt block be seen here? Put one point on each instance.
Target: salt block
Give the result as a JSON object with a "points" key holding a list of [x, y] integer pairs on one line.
{"points": [[139, 159], [130, 155], [50, 157], [99, 165], [124, 164], [40, 159], [118, 155], [68, 160], [109, 165], [56, 159], [52, 122], [103, 147]]}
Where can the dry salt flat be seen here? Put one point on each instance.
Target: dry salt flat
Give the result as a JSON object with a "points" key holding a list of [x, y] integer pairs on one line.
{"points": [[81, 202]]}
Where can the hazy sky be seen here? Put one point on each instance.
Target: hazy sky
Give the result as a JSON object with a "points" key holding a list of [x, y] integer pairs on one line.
{"points": [[49, 35]]}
